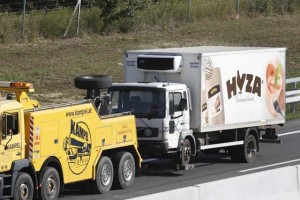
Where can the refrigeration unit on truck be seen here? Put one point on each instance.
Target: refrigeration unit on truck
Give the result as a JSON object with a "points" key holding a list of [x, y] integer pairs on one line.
{"points": [[203, 99], [42, 148]]}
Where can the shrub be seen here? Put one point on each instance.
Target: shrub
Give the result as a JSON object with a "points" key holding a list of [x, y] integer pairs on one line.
{"points": [[10, 28], [91, 21], [54, 23], [114, 10]]}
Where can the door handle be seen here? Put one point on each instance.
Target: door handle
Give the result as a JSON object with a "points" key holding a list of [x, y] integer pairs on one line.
{"points": [[19, 153], [182, 123]]}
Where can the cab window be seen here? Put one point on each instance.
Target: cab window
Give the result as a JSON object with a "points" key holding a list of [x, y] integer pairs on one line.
{"points": [[9, 124], [174, 100]]}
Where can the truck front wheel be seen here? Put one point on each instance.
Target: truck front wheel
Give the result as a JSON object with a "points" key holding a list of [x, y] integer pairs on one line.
{"points": [[125, 169], [104, 176], [185, 156], [50, 184], [24, 187]]}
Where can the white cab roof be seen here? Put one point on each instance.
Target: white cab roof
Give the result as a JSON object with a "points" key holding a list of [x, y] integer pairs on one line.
{"points": [[167, 86]]}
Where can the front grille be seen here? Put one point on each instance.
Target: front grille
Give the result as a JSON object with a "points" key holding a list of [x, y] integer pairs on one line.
{"points": [[141, 132]]}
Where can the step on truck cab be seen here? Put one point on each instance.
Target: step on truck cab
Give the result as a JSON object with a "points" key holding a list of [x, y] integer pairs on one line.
{"points": [[44, 148], [203, 99]]}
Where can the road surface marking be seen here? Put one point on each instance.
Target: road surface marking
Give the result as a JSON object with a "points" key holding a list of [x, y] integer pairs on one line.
{"points": [[267, 166], [288, 133]]}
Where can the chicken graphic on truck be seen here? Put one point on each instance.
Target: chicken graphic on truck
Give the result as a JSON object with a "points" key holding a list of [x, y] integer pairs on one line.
{"points": [[78, 146]]}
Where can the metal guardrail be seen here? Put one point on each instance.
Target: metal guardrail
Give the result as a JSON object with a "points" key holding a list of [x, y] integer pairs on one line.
{"points": [[293, 96]]}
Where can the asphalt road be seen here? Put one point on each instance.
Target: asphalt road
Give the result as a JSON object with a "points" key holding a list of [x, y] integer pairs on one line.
{"points": [[208, 168]]}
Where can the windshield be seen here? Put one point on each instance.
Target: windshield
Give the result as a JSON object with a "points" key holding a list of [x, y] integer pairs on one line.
{"points": [[143, 104]]}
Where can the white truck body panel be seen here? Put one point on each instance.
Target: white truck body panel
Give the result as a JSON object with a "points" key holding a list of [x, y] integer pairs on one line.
{"points": [[231, 87]]}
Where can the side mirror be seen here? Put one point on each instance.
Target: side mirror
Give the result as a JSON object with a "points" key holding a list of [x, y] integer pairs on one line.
{"points": [[3, 118], [182, 104], [11, 123], [171, 107], [171, 126]]}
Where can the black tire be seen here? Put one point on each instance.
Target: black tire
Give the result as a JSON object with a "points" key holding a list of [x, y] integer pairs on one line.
{"points": [[247, 152], [24, 187], [93, 81], [185, 156], [104, 176], [124, 166], [50, 184]]}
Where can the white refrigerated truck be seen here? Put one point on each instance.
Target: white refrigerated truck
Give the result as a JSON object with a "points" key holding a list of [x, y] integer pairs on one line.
{"points": [[203, 99]]}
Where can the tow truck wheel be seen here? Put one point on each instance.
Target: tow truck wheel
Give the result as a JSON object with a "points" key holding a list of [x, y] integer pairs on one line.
{"points": [[104, 176], [125, 170], [186, 152], [93, 82], [50, 184], [24, 187]]}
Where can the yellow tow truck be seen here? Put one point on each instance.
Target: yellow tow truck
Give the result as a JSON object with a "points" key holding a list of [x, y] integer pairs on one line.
{"points": [[43, 148]]}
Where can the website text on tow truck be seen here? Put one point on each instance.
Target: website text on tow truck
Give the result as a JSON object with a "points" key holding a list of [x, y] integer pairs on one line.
{"points": [[79, 112]]}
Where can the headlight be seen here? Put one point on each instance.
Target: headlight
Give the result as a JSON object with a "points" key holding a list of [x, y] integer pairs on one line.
{"points": [[148, 132]]}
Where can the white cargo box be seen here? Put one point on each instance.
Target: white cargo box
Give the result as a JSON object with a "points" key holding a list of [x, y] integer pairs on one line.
{"points": [[231, 87]]}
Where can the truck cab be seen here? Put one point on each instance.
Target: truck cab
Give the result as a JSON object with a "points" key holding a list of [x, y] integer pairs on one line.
{"points": [[162, 113]]}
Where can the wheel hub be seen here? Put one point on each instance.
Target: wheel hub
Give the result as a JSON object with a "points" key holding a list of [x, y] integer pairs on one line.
{"points": [[105, 175], [51, 187], [127, 171], [251, 149], [24, 191], [186, 153]]}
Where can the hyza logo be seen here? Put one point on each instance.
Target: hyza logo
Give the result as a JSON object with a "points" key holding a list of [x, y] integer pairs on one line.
{"points": [[78, 147], [247, 82]]}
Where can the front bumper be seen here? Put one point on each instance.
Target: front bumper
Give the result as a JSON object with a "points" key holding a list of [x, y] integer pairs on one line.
{"points": [[153, 148]]}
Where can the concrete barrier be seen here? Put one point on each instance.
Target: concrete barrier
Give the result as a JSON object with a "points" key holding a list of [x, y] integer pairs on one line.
{"points": [[187, 193], [298, 170], [278, 184]]}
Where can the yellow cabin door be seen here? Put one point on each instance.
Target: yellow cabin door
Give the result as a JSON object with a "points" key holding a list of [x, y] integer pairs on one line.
{"points": [[11, 139]]}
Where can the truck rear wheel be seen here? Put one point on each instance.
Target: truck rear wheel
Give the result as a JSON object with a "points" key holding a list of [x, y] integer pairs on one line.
{"points": [[50, 184], [247, 152], [93, 82], [125, 170], [24, 187], [104, 176]]}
